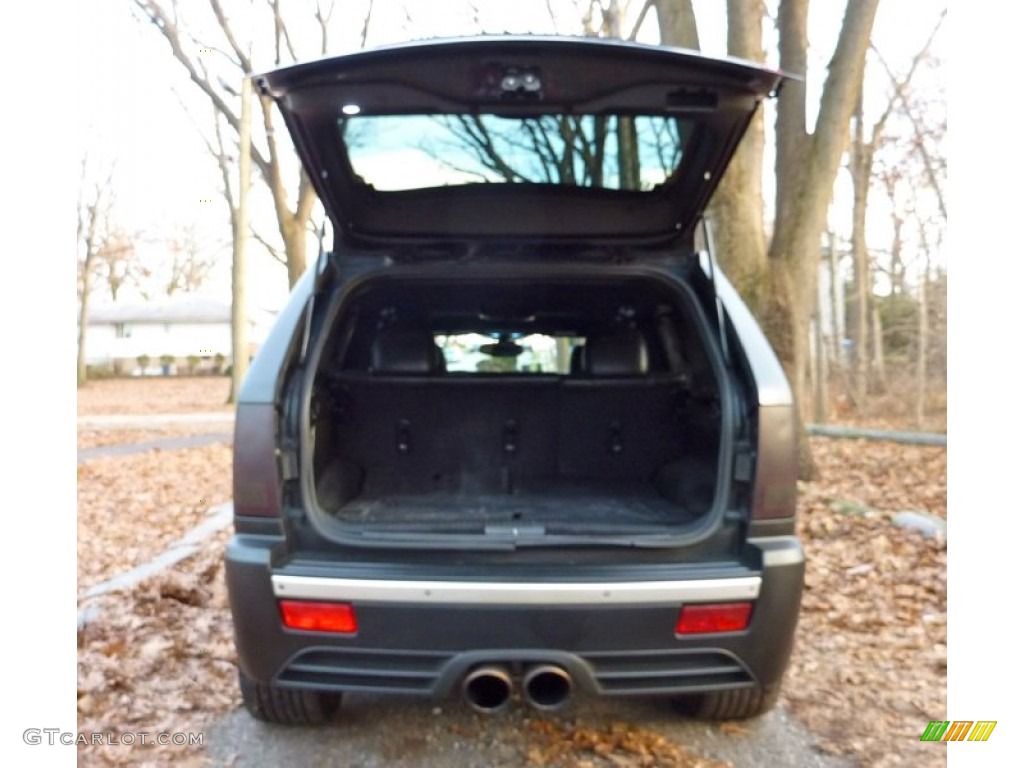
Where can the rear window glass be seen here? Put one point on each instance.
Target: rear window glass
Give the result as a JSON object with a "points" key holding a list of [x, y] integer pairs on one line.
{"points": [[507, 353], [616, 152]]}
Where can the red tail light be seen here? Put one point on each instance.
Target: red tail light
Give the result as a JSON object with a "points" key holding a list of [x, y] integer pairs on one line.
{"points": [[713, 617], [318, 617]]}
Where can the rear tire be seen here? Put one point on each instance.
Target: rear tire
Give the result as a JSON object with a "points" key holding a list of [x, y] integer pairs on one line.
{"points": [[736, 704], [287, 706]]}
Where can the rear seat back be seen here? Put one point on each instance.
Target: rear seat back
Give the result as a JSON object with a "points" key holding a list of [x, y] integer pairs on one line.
{"points": [[615, 421], [470, 434], [412, 427]]}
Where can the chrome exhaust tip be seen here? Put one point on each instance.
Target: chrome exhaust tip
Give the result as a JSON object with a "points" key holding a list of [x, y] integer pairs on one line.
{"points": [[547, 687], [487, 689]]}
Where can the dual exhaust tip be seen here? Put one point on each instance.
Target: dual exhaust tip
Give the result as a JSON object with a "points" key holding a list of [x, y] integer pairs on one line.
{"points": [[489, 689]]}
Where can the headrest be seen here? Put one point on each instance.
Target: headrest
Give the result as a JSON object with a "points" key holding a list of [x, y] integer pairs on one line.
{"points": [[405, 350], [576, 360], [620, 353]]}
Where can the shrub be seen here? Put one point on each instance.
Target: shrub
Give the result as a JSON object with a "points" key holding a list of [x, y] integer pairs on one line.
{"points": [[193, 363], [98, 372], [143, 361], [219, 359]]}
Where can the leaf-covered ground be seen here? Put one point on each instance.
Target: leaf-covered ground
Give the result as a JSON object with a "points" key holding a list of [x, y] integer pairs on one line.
{"points": [[867, 674], [869, 669], [154, 394], [131, 508], [158, 658]]}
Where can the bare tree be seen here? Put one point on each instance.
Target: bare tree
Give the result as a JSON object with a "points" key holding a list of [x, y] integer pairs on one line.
{"points": [[868, 354], [117, 262], [240, 222], [861, 155], [923, 135], [921, 368], [806, 166], [201, 56], [677, 23], [95, 201], [805, 169], [896, 270], [737, 209], [189, 264], [603, 18]]}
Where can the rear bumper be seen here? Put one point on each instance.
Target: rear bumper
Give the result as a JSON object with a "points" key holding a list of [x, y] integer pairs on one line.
{"points": [[614, 638]]}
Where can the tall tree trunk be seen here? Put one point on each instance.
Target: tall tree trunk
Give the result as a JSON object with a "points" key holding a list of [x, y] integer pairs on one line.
{"points": [[806, 169], [737, 208], [239, 309], [629, 154], [836, 304], [878, 382], [677, 23], [88, 236], [612, 22], [860, 171], [83, 319], [896, 255], [291, 224], [791, 137], [820, 365], [922, 339], [295, 247], [169, 18]]}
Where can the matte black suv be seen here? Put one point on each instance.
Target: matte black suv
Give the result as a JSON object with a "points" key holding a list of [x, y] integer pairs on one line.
{"points": [[514, 431]]}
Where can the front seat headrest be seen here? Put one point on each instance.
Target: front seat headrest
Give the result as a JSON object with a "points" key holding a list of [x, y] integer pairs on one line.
{"points": [[619, 353], [405, 350]]}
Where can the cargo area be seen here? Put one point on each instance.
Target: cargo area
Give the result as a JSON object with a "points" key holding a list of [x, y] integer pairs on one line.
{"points": [[540, 407]]}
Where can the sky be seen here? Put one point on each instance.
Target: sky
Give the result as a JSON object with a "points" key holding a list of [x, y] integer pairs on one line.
{"points": [[102, 65]]}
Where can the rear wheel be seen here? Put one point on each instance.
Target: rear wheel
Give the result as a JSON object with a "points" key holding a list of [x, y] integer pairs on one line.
{"points": [[736, 704], [287, 706]]}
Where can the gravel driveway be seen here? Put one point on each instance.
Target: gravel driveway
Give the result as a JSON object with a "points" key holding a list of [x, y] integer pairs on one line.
{"points": [[397, 732]]}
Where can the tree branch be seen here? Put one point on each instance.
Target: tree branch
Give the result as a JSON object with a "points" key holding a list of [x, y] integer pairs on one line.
{"points": [[274, 181], [280, 33], [322, 20], [195, 124], [167, 26], [919, 132], [306, 197], [225, 169], [648, 4], [243, 57], [366, 27], [274, 252], [900, 86]]}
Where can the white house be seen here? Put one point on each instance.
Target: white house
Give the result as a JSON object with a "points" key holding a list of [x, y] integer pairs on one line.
{"points": [[184, 326]]}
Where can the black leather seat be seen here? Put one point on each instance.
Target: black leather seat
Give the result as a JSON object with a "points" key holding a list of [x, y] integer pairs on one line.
{"points": [[620, 353], [576, 360], [405, 351]]}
